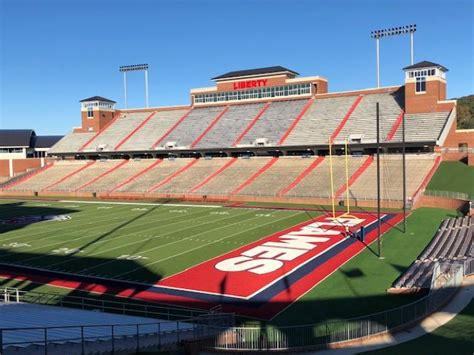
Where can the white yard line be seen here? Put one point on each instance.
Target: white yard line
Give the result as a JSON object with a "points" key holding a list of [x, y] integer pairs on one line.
{"points": [[203, 245]]}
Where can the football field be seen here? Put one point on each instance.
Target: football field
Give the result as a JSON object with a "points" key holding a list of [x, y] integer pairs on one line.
{"points": [[173, 253], [133, 242]]}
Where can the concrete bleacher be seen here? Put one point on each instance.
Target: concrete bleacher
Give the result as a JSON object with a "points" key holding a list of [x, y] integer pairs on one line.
{"points": [[192, 176], [231, 178], [45, 178], [362, 121], [118, 130], [65, 335], [117, 176], [417, 168], [156, 127], [318, 182], [71, 142], [82, 177], [452, 243], [281, 174], [230, 126], [422, 127], [274, 122], [160, 172], [192, 126], [320, 121]]}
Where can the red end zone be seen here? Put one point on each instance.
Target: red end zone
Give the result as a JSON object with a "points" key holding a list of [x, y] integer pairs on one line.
{"points": [[258, 280]]}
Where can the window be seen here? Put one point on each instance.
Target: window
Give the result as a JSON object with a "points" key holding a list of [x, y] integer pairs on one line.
{"points": [[462, 147], [421, 84], [90, 112]]}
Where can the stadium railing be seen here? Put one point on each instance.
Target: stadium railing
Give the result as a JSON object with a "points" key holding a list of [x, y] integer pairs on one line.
{"points": [[449, 194], [322, 334], [153, 335]]}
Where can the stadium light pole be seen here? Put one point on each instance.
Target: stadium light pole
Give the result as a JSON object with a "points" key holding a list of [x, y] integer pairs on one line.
{"points": [[379, 242], [136, 67], [390, 32]]}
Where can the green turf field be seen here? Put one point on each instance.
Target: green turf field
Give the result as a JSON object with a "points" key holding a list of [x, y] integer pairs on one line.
{"points": [[136, 242], [453, 176], [146, 242]]}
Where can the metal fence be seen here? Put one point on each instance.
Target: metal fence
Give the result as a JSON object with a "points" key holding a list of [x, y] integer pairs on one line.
{"points": [[449, 194], [132, 337], [321, 334]]}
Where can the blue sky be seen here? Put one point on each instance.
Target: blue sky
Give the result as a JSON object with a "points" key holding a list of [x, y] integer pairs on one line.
{"points": [[54, 53]]}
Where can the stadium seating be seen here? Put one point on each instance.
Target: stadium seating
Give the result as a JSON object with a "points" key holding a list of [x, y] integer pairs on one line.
{"points": [[274, 122], [318, 182], [362, 122], [65, 338], [277, 177], [190, 177], [71, 142], [45, 178], [160, 172], [156, 127], [229, 127], [231, 178], [192, 126], [453, 242], [422, 127], [320, 121], [256, 176], [82, 177], [107, 182], [113, 134], [417, 167]]}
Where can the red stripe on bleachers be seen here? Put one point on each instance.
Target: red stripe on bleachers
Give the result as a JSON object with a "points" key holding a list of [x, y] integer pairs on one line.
{"points": [[27, 176], [254, 176], [251, 124], [301, 176], [115, 167], [139, 127], [212, 124], [69, 175], [90, 140], [296, 121], [137, 175], [394, 129], [346, 118], [428, 176], [355, 176], [172, 176], [168, 132], [213, 175]]}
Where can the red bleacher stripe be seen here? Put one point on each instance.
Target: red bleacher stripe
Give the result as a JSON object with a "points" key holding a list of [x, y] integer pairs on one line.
{"points": [[69, 175], [177, 123], [296, 121], [346, 118], [212, 124], [251, 124], [139, 127], [27, 177], [214, 174], [301, 176], [394, 129], [115, 167], [90, 140], [355, 176], [137, 175], [428, 176], [172, 176], [254, 176]]}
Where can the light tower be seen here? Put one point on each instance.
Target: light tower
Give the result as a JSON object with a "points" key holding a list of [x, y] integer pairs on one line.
{"points": [[136, 67]]}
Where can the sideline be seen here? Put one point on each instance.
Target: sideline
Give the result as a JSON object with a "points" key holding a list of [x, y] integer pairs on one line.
{"points": [[460, 301], [139, 203]]}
